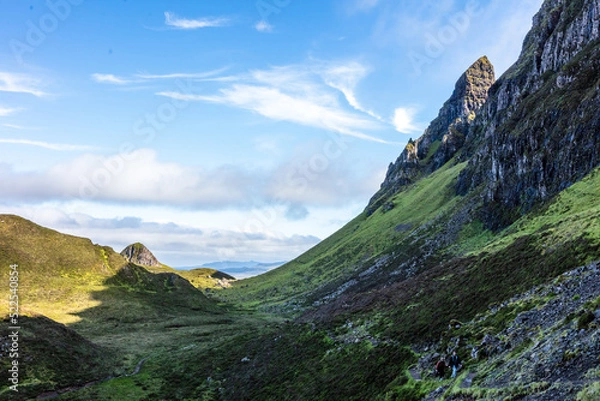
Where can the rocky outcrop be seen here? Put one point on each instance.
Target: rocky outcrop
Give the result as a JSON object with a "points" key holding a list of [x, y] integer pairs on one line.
{"points": [[539, 131], [444, 137], [140, 255], [548, 352]]}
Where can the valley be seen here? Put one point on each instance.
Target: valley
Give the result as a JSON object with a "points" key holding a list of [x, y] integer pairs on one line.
{"points": [[483, 239]]}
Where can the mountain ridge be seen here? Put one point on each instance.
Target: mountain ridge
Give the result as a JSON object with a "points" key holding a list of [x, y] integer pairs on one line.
{"points": [[444, 137]]}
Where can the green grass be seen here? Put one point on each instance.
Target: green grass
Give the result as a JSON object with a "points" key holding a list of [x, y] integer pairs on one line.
{"points": [[357, 244]]}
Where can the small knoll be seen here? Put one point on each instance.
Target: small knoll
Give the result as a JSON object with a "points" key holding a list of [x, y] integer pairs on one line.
{"points": [[140, 255], [207, 278]]}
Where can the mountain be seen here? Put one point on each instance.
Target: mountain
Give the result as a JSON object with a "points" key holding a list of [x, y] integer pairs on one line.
{"points": [[140, 255], [501, 194], [444, 137], [537, 133]]}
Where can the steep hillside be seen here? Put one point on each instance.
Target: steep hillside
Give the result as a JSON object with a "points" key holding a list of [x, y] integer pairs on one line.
{"points": [[534, 135], [116, 311], [538, 133], [454, 229], [61, 276]]}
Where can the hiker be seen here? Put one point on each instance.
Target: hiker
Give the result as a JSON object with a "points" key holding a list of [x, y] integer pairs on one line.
{"points": [[440, 368], [454, 363]]}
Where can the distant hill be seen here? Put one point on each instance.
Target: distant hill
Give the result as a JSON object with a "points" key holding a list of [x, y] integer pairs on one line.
{"points": [[140, 255], [239, 270], [203, 277]]}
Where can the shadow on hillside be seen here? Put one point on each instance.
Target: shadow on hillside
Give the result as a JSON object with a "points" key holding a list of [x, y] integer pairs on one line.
{"points": [[135, 296], [49, 355]]}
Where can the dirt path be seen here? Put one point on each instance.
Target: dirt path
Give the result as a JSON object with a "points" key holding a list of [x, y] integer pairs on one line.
{"points": [[53, 394]]}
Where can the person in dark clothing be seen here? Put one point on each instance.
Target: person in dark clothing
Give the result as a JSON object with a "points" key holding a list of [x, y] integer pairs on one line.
{"points": [[454, 363], [440, 368]]}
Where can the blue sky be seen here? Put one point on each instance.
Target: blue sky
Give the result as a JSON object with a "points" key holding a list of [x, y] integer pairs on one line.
{"points": [[225, 130]]}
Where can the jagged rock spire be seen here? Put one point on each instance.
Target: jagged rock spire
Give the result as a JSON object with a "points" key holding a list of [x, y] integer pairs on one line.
{"points": [[444, 136]]}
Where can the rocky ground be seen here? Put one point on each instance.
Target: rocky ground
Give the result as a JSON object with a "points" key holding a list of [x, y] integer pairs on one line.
{"points": [[549, 351]]}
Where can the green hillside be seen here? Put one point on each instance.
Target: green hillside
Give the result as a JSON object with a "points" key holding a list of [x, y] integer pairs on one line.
{"points": [[116, 312], [357, 246]]}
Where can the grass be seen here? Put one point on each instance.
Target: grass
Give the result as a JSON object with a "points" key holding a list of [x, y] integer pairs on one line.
{"points": [[357, 244]]}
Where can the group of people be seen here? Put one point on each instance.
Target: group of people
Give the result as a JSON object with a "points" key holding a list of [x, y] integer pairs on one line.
{"points": [[454, 363]]}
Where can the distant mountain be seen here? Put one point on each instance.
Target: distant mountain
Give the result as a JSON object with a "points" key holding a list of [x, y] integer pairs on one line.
{"points": [[239, 270]]}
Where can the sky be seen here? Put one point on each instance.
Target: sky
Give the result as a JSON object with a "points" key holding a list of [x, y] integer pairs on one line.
{"points": [[225, 130]]}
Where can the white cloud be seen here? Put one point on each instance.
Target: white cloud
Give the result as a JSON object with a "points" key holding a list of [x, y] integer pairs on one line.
{"points": [[14, 126], [183, 75], [140, 178], [297, 94], [7, 111], [110, 79], [345, 78], [20, 83], [363, 5], [263, 26], [403, 120], [42, 144], [184, 23], [147, 77]]}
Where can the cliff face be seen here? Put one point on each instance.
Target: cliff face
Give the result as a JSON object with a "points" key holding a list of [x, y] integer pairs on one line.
{"points": [[539, 131], [140, 255], [444, 137]]}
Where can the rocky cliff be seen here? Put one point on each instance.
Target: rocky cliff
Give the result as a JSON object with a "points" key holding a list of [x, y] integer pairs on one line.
{"points": [[140, 255], [444, 137], [538, 132]]}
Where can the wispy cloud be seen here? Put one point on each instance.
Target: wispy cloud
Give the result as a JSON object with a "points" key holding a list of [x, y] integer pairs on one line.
{"points": [[20, 83], [263, 26], [176, 22], [305, 95], [141, 78], [183, 75], [110, 79], [7, 111], [345, 78], [19, 127], [46, 145], [362, 5]]}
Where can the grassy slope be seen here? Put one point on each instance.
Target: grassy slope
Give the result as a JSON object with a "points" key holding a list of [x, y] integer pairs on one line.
{"points": [[362, 356], [486, 268], [357, 244], [125, 311]]}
